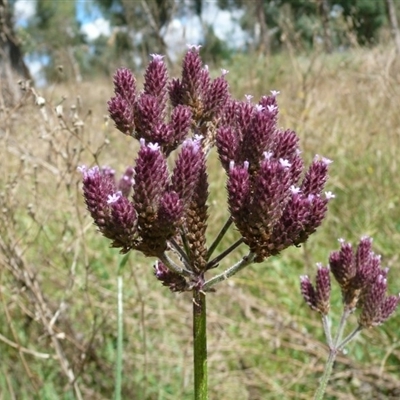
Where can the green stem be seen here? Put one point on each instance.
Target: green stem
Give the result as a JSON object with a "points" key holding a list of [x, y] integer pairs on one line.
{"points": [[342, 325], [200, 346], [327, 329], [215, 262], [319, 395], [334, 349], [118, 371], [350, 337], [120, 333], [218, 239]]}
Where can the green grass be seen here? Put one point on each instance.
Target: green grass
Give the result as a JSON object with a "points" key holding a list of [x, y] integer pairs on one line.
{"points": [[264, 342]]}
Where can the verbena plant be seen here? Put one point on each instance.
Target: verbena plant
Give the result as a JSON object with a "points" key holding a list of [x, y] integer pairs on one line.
{"points": [[273, 200]]}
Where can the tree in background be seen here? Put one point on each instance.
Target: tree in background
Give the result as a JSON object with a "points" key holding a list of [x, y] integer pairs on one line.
{"points": [[12, 65], [391, 10], [54, 36], [270, 23], [138, 26], [139, 22], [310, 21], [324, 14], [367, 16], [257, 19]]}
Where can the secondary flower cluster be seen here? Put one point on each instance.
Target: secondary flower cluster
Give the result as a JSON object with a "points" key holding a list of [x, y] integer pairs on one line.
{"points": [[362, 281], [273, 202]]}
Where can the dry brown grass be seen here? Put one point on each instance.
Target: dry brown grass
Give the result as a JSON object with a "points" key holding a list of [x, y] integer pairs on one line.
{"points": [[58, 277]]}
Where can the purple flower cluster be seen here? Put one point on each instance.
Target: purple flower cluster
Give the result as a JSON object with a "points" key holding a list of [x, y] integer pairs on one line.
{"points": [[319, 298], [142, 115], [153, 214], [273, 202], [362, 281]]}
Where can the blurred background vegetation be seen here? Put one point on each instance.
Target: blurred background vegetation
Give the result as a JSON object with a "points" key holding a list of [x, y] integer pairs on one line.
{"points": [[53, 32], [337, 66]]}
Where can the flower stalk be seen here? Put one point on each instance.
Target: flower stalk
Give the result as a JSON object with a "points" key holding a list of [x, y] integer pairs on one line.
{"points": [[200, 345], [120, 336], [120, 328]]}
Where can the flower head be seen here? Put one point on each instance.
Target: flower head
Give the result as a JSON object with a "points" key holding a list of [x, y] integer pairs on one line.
{"points": [[317, 298], [362, 281], [276, 215], [158, 205]]}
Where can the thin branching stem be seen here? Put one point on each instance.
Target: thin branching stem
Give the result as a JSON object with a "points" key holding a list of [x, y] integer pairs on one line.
{"points": [[185, 242], [342, 325], [214, 263], [244, 262], [219, 237], [173, 266], [334, 349], [179, 250], [350, 337], [327, 329]]}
